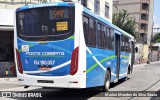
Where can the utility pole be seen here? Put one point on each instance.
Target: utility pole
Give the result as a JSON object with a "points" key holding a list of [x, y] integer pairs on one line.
{"points": [[151, 43]]}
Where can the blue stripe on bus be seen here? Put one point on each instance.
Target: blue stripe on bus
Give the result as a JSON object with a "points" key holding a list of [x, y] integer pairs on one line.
{"points": [[95, 74], [28, 61], [48, 4]]}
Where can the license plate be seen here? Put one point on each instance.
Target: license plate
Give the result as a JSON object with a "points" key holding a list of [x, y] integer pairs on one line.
{"points": [[45, 68]]}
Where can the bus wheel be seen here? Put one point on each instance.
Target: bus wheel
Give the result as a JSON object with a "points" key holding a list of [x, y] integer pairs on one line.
{"points": [[128, 72], [107, 81]]}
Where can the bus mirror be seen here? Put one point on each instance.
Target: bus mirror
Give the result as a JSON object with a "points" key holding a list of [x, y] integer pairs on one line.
{"points": [[136, 49]]}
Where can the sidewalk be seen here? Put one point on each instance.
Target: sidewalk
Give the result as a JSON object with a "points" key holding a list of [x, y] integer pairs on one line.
{"points": [[144, 64], [11, 79]]}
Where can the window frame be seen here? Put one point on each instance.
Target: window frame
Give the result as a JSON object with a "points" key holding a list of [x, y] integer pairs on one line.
{"points": [[94, 31], [107, 9], [97, 6]]}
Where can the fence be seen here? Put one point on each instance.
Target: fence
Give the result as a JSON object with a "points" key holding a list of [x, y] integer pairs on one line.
{"points": [[155, 55]]}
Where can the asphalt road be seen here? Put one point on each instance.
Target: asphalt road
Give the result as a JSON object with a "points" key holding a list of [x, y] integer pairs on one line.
{"points": [[142, 80]]}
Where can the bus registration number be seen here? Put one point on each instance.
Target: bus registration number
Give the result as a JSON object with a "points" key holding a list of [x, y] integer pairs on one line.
{"points": [[44, 62]]}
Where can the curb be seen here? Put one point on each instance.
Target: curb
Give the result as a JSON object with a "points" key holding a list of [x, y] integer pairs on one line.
{"points": [[11, 79], [155, 62], [144, 64]]}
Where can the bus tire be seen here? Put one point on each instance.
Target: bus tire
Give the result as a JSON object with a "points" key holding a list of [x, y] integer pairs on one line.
{"points": [[107, 81], [128, 72]]}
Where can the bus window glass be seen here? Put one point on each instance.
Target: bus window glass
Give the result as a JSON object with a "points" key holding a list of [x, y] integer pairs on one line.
{"points": [[112, 39], [130, 46], [103, 40], [127, 45], [85, 28], [53, 21], [107, 36], [99, 35], [122, 43], [91, 35]]}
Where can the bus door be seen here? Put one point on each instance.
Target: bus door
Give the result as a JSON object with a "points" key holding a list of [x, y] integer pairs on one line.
{"points": [[117, 53], [132, 55]]}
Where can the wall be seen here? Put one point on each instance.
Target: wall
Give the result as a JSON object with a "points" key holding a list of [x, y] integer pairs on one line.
{"points": [[6, 17], [90, 5], [145, 53]]}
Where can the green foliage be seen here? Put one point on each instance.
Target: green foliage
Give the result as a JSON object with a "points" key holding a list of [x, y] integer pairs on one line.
{"points": [[123, 20], [156, 38]]}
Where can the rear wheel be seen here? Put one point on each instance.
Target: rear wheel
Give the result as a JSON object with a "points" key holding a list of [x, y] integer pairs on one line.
{"points": [[128, 72], [107, 81]]}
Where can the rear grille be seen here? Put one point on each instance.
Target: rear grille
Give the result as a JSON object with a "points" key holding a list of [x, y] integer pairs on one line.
{"points": [[45, 81]]}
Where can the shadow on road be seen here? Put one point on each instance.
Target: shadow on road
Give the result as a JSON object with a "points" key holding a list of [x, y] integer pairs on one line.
{"points": [[156, 98], [69, 94], [119, 82]]}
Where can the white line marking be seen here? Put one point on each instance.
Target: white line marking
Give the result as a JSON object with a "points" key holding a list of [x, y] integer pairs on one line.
{"points": [[97, 60], [54, 68]]}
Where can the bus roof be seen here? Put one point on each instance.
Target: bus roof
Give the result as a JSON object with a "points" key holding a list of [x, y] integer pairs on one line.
{"points": [[48, 4]]}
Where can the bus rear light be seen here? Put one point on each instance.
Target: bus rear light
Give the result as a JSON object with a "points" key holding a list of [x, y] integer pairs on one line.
{"points": [[74, 62], [19, 63]]}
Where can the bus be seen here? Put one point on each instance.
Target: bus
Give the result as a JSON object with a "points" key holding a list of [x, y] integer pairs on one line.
{"points": [[65, 45]]}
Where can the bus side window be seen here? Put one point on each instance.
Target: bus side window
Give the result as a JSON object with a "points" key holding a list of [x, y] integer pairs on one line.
{"points": [[103, 40], [85, 28], [127, 44], [130, 46], [112, 39], [98, 35], [107, 37], [101, 37], [122, 43], [91, 34]]}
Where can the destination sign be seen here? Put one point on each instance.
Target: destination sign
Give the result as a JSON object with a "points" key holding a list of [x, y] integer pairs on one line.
{"points": [[58, 13]]}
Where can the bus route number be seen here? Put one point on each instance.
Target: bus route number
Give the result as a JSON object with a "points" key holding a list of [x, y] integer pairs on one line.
{"points": [[58, 13]]}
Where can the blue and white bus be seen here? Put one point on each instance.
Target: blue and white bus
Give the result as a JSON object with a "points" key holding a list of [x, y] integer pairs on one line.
{"points": [[65, 45]]}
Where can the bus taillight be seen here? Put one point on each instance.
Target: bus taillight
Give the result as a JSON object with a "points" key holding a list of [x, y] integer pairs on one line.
{"points": [[19, 63], [74, 62]]}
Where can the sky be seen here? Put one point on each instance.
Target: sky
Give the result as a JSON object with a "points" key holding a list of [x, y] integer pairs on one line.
{"points": [[156, 16]]}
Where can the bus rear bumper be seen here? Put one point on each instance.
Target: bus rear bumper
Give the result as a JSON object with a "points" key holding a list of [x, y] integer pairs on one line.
{"points": [[52, 81]]}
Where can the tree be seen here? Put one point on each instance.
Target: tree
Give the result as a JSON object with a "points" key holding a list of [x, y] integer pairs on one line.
{"points": [[123, 20], [156, 38]]}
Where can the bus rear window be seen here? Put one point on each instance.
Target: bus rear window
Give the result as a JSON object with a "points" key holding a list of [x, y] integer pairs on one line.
{"points": [[48, 22]]}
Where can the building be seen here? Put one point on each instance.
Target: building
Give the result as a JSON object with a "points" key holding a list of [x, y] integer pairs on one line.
{"points": [[155, 52], [101, 7], [142, 10], [7, 9]]}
